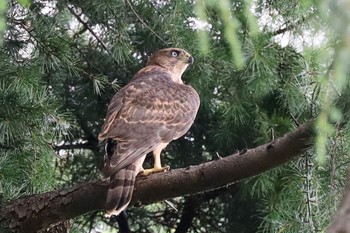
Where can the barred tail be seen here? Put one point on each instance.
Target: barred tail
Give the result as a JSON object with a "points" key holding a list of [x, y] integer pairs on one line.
{"points": [[121, 189]]}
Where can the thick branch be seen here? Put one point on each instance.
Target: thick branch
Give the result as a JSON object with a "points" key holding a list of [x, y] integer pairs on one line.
{"points": [[31, 213], [224, 171], [341, 223]]}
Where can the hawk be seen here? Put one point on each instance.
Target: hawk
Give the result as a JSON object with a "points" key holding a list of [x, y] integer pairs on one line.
{"points": [[153, 109]]}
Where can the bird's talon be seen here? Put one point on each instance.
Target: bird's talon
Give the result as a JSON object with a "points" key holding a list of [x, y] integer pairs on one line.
{"points": [[146, 172]]}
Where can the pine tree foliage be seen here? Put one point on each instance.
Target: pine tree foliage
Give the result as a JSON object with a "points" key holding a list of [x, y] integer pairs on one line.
{"points": [[29, 123], [261, 68]]}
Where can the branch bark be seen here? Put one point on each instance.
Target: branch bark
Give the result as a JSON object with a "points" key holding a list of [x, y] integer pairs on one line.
{"points": [[31, 213]]}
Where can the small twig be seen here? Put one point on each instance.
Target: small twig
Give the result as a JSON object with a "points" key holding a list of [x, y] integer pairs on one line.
{"points": [[143, 22], [292, 26], [332, 153], [272, 130], [295, 120], [87, 26], [171, 205], [334, 87], [70, 146], [218, 155], [310, 194]]}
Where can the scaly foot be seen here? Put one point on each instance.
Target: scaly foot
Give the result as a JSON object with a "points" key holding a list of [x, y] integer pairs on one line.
{"points": [[146, 172]]}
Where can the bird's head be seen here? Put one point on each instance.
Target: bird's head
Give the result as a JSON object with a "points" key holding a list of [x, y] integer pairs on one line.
{"points": [[175, 60]]}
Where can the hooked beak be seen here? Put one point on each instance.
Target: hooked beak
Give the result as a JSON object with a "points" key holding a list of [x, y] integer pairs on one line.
{"points": [[190, 60]]}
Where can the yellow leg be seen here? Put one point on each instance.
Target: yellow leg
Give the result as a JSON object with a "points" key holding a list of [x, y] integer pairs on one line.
{"points": [[157, 163]]}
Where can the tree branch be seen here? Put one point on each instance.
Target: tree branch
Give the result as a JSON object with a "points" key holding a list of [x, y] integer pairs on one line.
{"points": [[143, 22], [32, 213], [286, 28], [87, 26], [341, 222], [291, 26], [189, 212], [5, 147], [70, 146]]}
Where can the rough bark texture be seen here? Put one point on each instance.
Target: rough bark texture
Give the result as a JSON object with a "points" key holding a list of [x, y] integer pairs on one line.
{"points": [[31, 213], [341, 223], [224, 171]]}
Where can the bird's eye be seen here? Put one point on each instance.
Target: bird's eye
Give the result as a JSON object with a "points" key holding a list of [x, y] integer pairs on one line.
{"points": [[174, 53]]}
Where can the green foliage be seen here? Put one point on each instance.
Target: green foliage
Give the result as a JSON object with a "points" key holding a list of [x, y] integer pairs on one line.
{"points": [[300, 196], [336, 77], [27, 122], [3, 8]]}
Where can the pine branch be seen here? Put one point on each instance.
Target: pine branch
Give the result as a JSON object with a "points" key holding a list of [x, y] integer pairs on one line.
{"points": [[143, 22], [31, 213], [286, 28], [309, 193], [69, 146], [87, 26], [5, 147], [292, 26]]}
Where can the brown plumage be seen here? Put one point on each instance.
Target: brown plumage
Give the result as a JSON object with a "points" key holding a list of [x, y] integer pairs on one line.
{"points": [[143, 116]]}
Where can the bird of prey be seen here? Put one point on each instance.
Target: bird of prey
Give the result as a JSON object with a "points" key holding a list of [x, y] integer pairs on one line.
{"points": [[153, 109]]}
